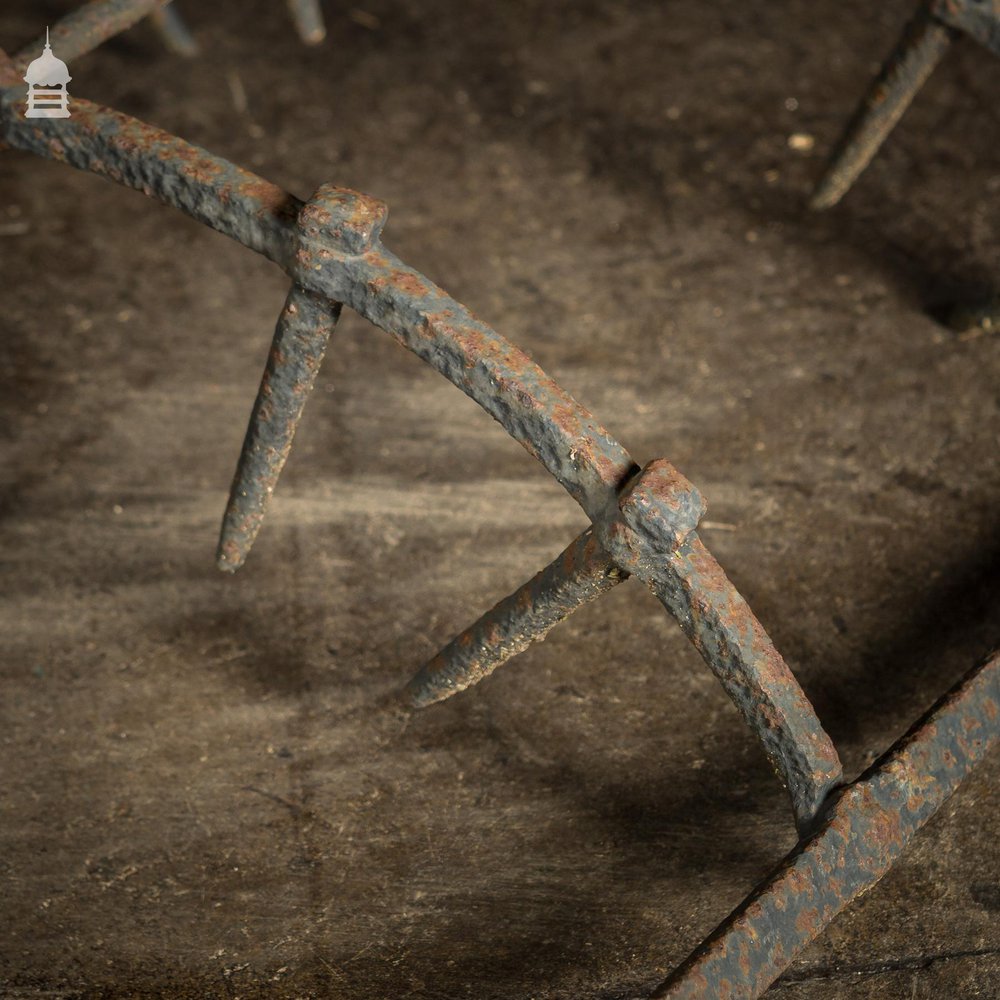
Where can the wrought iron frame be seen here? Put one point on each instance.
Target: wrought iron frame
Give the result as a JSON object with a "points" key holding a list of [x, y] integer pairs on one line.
{"points": [[643, 521]]}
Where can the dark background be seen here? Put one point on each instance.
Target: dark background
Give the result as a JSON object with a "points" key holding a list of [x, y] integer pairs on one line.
{"points": [[199, 795]]}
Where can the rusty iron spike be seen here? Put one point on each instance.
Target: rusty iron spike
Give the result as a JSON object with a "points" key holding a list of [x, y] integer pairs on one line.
{"points": [[925, 40], [649, 533], [88, 26], [581, 573], [865, 829]]}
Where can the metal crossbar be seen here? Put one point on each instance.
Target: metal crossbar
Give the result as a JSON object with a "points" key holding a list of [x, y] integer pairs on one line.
{"points": [[923, 43], [643, 521]]}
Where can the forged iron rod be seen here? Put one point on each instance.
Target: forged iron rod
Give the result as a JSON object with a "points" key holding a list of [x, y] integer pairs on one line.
{"points": [[579, 575], [535, 411], [84, 29], [300, 338], [308, 18], [653, 537], [552, 426], [174, 32], [925, 40], [864, 831]]}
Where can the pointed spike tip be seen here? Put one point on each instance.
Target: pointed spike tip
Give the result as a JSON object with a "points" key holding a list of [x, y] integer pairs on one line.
{"points": [[229, 556]]}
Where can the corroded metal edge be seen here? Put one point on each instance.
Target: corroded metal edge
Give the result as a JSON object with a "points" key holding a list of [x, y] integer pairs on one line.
{"points": [[924, 42], [863, 832], [88, 26]]}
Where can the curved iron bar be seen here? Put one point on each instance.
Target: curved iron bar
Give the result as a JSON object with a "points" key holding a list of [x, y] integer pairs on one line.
{"points": [[88, 26], [923, 43]]}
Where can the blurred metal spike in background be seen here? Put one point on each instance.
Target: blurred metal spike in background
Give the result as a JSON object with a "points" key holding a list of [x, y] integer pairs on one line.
{"points": [[86, 27], [925, 40], [174, 32], [95, 22]]}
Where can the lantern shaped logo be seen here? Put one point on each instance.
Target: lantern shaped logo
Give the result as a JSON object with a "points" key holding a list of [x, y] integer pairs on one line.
{"points": [[47, 78]]}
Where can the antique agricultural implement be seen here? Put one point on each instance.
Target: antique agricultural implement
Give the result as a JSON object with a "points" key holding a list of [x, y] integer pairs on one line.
{"points": [[644, 521]]}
